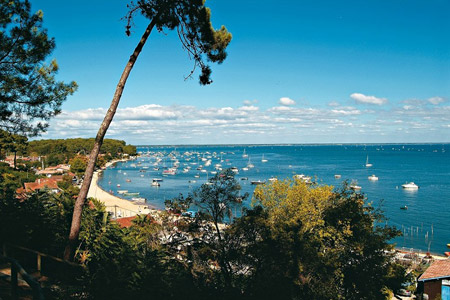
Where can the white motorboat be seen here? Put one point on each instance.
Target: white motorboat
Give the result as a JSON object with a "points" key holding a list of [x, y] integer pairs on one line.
{"points": [[273, 179], [355, 187], [373, 178], [122, 191], [410, 186], [337, 176]]}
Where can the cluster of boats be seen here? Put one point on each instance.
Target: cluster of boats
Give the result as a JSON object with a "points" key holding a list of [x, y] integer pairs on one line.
{"points": [[203, 163], [191, 161], [373, 177]]}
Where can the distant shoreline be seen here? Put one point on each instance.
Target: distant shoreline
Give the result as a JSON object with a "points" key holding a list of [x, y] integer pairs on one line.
{"points": [[293, 144]]}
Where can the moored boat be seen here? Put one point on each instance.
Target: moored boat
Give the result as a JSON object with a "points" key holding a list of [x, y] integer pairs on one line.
{"points": [[171, 171], [410, 186], [131, 194], [367, 162], [138, 199], [373, 178], [255, 182], [355, 187]]}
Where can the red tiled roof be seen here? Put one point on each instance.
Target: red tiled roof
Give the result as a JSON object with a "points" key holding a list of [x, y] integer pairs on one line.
{"points": [[125, 222], [438, 269], [40, 184]]}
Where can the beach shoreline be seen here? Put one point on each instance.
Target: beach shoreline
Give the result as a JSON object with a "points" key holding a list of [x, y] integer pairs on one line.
{"points": [[117, 206]]}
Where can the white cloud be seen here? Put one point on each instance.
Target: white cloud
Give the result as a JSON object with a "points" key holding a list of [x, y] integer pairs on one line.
{"points": [[250, 102], [286, 101], [149, 112], [361, 98], [178, 124], [346, 112], [249, 108], [333, 103], [436, 100]]}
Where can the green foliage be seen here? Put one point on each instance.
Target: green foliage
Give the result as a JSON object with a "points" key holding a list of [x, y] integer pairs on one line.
{"points": [[210, 249], [39, 221], [80, 146], [297, 242], [29, 93], [12, 179], [323, 244], [78, 164], [192, 20], [218, 197], [61, 151], [13, 142], [66, 185]]}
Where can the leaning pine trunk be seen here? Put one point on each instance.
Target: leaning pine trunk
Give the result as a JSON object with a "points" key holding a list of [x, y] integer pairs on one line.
{"points": [[76, 218]]}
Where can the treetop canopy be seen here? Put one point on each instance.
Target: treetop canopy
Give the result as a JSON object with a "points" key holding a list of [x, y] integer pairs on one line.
{"points": [[29, 93], [192, 20]]}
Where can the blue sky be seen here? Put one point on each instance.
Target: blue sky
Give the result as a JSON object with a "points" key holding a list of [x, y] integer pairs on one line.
{"points": [[296, 72]]}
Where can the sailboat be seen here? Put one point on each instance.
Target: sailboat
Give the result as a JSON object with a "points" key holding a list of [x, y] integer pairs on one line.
{"points": [[249, 164], [244, 155], [263, 159], [367, 162]]}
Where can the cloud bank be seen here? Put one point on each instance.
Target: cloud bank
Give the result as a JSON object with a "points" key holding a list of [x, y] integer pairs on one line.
{"points": [[409, 121]]}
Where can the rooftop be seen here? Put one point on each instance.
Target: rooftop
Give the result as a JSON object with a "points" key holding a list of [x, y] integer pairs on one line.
{"points": [[438, 269], [40, 184], [125, 222]]}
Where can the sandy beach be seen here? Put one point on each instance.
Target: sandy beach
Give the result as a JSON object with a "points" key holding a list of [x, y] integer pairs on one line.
{"points": [[118, 206]]}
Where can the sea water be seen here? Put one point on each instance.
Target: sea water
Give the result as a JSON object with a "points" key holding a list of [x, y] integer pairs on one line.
{"points": [[424, 224]]}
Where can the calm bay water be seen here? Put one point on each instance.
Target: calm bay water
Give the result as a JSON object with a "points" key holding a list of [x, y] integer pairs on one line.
{"points": [[425, 223]]}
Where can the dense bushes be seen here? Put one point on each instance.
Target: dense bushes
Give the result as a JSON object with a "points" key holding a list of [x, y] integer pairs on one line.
{"points": [[298, 242]]}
